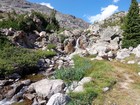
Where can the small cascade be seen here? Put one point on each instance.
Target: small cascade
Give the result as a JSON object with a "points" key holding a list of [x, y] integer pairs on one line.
{"points": [[77, 43], [6, 102], [15, 98]]}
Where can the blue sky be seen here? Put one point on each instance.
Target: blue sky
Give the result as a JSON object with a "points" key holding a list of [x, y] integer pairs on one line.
{"points": [[89, 10]]}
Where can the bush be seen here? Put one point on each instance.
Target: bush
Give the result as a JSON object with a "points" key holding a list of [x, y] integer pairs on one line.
{"points": [[12, 56], [53, 23], [70, 74], [26, 23]]}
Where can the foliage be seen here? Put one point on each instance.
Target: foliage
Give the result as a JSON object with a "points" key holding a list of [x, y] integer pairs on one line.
{"points": [[28, 23], [132, 26], [77, 73], [12, 56], [51, 46], [62, 37], [53, 23], [84, 98], [99, 71]]}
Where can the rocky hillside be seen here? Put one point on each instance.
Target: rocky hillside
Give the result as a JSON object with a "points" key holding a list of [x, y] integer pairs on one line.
{"points": [[40, 66], [22, 6]]}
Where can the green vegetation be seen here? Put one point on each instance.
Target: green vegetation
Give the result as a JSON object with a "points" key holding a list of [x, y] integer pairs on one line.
{"points": [[84, 98], [29, 23], [51, 46], [53, 23], [100, 71], [12, 56], [71, 74], [132, 26]]}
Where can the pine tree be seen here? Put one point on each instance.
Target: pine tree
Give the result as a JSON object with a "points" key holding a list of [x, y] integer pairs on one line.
{"points": [[132, 26]]}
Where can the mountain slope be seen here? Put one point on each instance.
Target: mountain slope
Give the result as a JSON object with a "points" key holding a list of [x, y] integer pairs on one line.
{"points": [[22, 6]]}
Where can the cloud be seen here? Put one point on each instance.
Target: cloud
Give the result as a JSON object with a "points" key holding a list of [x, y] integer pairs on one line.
{"points": [[105, 13], [47, 4], [115, 1]]}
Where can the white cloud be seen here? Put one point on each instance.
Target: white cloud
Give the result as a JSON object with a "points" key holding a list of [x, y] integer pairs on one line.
{"points": [[47, 4], [115, 1], [105, 13]]}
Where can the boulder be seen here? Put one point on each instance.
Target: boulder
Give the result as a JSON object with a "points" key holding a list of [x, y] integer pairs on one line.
{"points": [[26, 82], [91, 51], [9, 32], [101, 48], [58, 99], [136, 51], [123, 53], [110, 54], [3, 82], [73, 85], [69, 48], [80, 87], [29, 96], [105, 89], [67, 33], [113, 46], [85, 80], [42, 34], [131, 62], [45, 88]]}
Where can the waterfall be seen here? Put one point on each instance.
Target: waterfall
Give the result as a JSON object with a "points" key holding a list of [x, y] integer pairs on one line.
{"points": [[77, 43], [14, 98]]}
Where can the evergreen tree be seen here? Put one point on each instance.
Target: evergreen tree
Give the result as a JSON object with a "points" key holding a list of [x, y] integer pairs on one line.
{"points": [[132, 26], [53, 23]]}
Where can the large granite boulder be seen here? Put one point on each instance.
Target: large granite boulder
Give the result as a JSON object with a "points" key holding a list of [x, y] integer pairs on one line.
{"points": [[123, 53], [136, 51], [45, 88], [58, 99]]}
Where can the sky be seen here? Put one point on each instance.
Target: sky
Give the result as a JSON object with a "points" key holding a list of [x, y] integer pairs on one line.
{"points": [[88, 10]]}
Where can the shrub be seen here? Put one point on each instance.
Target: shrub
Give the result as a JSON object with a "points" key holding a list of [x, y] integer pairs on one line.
{"points": [[26, 23], [12, 56], [70, 74], [53, 23]]}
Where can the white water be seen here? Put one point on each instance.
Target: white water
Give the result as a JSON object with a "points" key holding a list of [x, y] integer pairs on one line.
{"points": [[6, 102], [9, 102], [77, 43]]}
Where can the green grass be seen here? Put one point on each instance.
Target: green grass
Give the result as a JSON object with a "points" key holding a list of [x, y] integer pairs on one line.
{"points": [[100, 71], [77, 73], [83, 98], [51, 46]]}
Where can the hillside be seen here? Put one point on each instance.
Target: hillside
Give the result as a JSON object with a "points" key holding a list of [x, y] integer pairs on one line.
{"points": [[42, 63], [23, 6]]}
